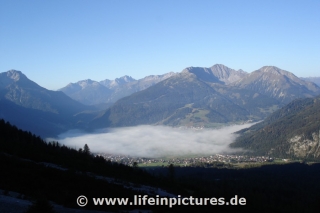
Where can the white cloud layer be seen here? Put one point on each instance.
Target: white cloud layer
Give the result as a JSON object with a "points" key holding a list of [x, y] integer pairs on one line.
{"points": [[154, 141]]}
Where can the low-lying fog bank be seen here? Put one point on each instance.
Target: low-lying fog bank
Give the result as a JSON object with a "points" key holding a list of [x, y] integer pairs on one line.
{"points": [[154, 141]]}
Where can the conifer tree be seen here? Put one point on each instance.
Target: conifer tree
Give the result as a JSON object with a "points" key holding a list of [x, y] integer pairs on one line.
{"points": [[86, 149]]}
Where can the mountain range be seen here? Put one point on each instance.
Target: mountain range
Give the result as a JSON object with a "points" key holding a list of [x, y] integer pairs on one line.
{"points": [[208, 97], [197, 96], [91, 92], [106, 92], [276, 83]]}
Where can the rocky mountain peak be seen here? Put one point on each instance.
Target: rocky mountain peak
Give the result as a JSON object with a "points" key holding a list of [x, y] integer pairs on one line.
{"points": [[276, 71], [158, 78], [105, 82], [169, 74], [83, 85], [220, 67], [14, 75], [203, 74], [226, 74], [88, 82], [218, 73], [277, 83], [124, 79], [117, 82], [270, 69]]}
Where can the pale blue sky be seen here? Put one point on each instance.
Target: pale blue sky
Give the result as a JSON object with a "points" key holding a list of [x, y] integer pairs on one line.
{"points": [[61, 41]]}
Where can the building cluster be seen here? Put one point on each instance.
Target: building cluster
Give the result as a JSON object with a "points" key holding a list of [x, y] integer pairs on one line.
{"points": [[127, 160]]}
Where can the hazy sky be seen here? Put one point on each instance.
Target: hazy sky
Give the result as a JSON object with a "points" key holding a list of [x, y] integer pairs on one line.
{"points": [[55, 42], [154, 141]]}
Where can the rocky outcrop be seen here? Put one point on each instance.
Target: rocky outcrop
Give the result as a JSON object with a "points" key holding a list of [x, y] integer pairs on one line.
{"points": [[302, 147]]}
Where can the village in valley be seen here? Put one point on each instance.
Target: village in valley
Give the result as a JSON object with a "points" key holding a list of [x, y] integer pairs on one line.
{"points": [[216, 160]]}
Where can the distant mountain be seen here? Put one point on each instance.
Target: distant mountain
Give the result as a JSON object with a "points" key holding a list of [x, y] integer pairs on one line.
{"points": [[204, 96], [315, 80], [117, 82], [131, 87], [279, 84], [88, 92], [217, 74], [109, 91], [34, 108], [292, 131]]}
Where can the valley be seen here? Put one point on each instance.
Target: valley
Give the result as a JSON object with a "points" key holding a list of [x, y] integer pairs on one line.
{"points": [[55, 172], [195, 98], [159, 106]]}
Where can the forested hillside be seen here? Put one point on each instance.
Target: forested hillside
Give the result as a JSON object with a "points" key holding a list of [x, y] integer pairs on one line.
{"points": [[38, 169], [292, 131]]}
